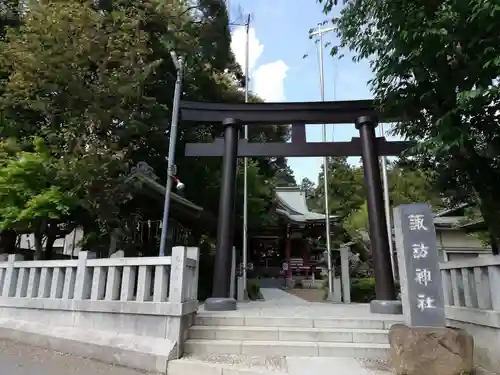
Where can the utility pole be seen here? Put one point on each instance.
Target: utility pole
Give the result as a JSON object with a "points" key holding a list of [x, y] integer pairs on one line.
{"points": [[320, 33], [179, 66], [245, 161]]}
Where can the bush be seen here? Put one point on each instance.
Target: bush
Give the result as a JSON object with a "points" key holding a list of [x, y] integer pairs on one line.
{"points": [[253, 289], [362, 290], [299, 284]]}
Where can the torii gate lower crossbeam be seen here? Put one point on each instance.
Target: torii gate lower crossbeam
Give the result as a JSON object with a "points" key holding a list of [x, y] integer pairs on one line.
{"points": [[368, 146]]}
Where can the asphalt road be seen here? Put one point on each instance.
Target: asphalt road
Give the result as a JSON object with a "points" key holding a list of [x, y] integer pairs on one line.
{"points": [[20, 359]]}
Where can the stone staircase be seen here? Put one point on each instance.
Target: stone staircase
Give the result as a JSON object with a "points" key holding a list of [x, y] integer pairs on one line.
{"points": [[227, 344]]}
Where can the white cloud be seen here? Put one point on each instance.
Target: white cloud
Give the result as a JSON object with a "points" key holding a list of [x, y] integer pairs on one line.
{"points": [[238, 45], [266, 80], [269, 81]]}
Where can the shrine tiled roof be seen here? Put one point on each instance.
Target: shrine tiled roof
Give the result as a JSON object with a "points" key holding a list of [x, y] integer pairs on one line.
{"points": [[292, 204]]}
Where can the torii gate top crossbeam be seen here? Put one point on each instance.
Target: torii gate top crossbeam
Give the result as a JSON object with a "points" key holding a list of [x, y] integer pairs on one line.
{"points": [[338, 112]]}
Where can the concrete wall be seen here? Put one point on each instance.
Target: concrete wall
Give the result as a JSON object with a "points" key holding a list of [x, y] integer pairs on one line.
{"points": [[457, 239], [454, 244], [472, 302], [486, 339], [69, 245], [128, 311]]}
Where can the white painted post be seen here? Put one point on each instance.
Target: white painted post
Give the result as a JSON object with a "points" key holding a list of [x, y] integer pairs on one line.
{"points": [[144, 283], [33, 282], [113, 284], [178, 274], [98, 288], [56, 289], [45, 282], [346, 282], [232, 288], [494, 276], [22, 282], [194, 253], [337, 289], [10, 280], [69, 283], [241, 289], [466, 282], [83, 277], [160, 292], [482, 287], [447, 290], [128, 283]]}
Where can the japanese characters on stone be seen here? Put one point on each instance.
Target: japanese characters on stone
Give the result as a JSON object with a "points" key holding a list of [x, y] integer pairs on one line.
{"points": [[417, 255], [423, 276]]}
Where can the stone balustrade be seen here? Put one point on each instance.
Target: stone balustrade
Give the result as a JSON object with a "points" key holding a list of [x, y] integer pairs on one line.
{"points": [[472, 302], [111, 303]]}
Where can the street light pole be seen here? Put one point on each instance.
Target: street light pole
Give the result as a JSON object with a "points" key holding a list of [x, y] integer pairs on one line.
{"points": [[320, 32], [179, 66]]}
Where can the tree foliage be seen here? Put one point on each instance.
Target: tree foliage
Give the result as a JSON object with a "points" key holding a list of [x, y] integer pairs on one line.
{"points": [[37, 194], [347, 196], [94, 81], [436, 65]]}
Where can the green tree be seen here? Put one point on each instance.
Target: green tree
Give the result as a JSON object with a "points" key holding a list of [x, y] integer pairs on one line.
{"points": [[308, 187], [437, 65], [37, 195], [406, 185], [345, 188], [96, 82]]}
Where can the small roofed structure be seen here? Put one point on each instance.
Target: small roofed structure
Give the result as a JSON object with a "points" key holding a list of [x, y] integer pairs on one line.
{"points": [[292, 241], [454, 229], [292, 204], [185, 216]]}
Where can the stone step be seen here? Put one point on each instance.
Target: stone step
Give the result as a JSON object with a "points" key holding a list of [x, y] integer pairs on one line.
{"points": [[348, 335], [244, 365], [287, 348], [225, 365], [292, 321]]}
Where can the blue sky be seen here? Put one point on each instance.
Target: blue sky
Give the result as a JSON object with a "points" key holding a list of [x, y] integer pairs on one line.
{"points": [[278, 72]]}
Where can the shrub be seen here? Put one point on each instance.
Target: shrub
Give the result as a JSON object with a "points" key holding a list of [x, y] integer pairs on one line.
{"points": [[362, 290], [253, 289]]}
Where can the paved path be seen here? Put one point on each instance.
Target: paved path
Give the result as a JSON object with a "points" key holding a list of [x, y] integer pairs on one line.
{"points": [[281, 297], [19, 359]]}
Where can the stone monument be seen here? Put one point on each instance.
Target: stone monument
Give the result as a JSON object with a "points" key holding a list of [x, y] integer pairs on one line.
{"points": [[423, 345]]}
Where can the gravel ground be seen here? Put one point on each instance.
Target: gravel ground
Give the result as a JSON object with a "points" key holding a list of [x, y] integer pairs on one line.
{"points": [[20, 359], [310, 295], [277, 364]]}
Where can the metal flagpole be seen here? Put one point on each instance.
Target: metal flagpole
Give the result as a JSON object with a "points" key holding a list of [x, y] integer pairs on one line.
{"points": [[245, 161], [179, 65], [387, 202], [325, 171]]}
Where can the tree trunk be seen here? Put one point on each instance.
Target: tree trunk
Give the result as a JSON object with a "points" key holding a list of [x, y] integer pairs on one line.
{"points": [[38, 246], [485, 181], [8, 241], [49, 247]]}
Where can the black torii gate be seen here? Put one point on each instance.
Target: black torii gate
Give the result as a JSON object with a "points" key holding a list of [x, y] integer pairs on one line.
{"points": [[361, 112]]}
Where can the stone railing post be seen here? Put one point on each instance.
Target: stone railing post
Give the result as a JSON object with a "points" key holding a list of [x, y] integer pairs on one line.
{"points": [[11, 274], [346, 280], [178, 275], [194, 253], [83, 281]]}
